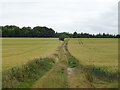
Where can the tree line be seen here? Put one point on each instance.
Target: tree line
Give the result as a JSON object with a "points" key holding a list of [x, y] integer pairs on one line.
{"points": [[38, 31], [15, 31]]}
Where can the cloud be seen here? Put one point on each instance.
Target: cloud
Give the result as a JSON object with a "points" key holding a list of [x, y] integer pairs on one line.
{"points": [[106, 23], [91, 16]]}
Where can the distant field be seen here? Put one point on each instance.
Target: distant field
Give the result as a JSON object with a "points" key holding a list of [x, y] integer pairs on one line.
{"points": [[94, 51], [17, 51]]}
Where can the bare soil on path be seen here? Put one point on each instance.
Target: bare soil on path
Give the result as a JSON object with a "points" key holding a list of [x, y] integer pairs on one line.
{"points": [[63, 76]]}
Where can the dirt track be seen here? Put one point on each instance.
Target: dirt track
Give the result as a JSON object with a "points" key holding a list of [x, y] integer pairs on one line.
{"points": [[70, 77]]}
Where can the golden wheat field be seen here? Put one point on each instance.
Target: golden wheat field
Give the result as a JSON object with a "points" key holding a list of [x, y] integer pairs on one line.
{"points": [[74, 62], [95, 51], [17, 51]]}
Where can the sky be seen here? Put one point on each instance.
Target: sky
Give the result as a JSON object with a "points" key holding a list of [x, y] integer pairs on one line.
{"points": [[88, 16]]}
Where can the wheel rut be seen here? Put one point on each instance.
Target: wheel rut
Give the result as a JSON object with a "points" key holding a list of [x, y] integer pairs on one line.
{"points": [[64, 74]]}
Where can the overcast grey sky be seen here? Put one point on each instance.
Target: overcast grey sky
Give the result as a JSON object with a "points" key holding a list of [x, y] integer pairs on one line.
{"points": [[90, 16]]}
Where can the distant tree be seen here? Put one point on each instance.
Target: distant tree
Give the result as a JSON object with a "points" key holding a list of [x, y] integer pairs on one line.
{"points": [[75, 35], [10, 31], [0, 31], [63, 36], [26, 32], [118, 36], [43, 32]]}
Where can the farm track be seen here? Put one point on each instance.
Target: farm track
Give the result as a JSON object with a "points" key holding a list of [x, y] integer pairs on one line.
{"points": [[48, 80], [76, 75], [70, 78], [62, 69]]}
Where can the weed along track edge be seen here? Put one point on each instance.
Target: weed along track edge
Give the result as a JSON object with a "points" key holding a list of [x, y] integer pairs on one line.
{"points": [[76, 75], [57, 76], [26, 75]]}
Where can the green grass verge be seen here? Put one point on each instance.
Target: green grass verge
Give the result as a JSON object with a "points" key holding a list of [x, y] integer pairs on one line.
{"points": [[100, 76], [24, 76], [102, 73], [72, 62]]}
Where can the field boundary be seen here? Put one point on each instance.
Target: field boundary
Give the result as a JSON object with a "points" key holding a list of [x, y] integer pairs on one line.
{"points": [[25, 75], [97, 75]]}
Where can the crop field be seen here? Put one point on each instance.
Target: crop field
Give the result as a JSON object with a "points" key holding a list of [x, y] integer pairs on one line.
{"points": [[17, 51], [74, 62], [94, 51], [99, 55]]}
